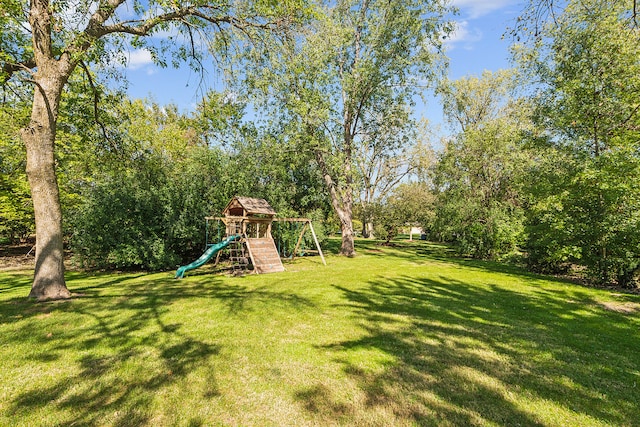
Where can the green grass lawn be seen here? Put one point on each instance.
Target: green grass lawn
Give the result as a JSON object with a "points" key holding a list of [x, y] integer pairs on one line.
{"points": [[396, 336]]}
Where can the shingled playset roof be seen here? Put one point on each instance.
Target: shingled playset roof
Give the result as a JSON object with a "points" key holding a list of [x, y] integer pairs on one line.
{"points": [[251, 205]]}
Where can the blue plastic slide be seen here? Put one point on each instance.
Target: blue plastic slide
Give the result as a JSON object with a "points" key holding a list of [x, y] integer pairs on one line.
{"points": [[206, 256]]}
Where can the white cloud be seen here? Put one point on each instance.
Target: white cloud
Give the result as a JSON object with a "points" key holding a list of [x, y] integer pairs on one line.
{"points": [[476, 8], [138, 59], [463, 35]]}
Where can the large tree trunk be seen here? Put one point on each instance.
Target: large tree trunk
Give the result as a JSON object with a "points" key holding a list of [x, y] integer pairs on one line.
{"points": [[367, 229], [342, 202], [346, 227], [39, 139]]}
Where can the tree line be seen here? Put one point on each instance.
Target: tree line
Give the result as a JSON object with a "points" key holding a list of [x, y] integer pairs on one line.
{"points": [[541, 164]]}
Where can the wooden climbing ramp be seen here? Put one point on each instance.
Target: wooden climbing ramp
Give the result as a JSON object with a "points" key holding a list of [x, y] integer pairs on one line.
{"points": [[264, 255]]}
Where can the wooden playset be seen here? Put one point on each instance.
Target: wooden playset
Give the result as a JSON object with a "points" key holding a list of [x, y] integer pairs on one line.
{"points": [[248, 236]]}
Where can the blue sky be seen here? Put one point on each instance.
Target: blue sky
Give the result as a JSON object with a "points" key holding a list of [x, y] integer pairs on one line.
{"points": [[477, 45]]}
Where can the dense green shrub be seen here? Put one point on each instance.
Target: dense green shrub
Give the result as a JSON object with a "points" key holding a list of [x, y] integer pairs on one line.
{"points": [[152, 216]]}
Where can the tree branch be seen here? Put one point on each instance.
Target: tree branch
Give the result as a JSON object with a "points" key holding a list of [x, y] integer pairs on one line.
{"points": [[97, 29], [9, 69], [96, 99]]}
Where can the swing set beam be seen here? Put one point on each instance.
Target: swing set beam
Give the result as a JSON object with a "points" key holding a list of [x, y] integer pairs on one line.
{"points": [[307, 223]]}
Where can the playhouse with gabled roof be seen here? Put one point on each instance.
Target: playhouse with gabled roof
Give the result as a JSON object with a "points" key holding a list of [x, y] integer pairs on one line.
{"points": [[251, 218]]}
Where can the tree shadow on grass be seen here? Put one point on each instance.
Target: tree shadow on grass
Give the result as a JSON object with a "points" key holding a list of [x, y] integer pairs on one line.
{"points": [[418, 252], [117, 345], [13, 280], [475, 355]]}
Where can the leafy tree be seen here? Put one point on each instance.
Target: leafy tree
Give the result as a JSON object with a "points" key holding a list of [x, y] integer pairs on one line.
{"points": [[479, 202], [271, 167], [44, 42], [391, 154], [549, 226], [16, 210], [408, 204], [586, 64], [218, 119], [349, 80], [469, 103], [263, 162]]}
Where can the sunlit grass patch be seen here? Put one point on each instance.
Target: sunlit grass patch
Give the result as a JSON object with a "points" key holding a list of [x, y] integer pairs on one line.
{"points": [[403, 335]]}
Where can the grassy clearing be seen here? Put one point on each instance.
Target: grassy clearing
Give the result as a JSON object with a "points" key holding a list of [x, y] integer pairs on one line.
{"points": [[396, 336]]}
